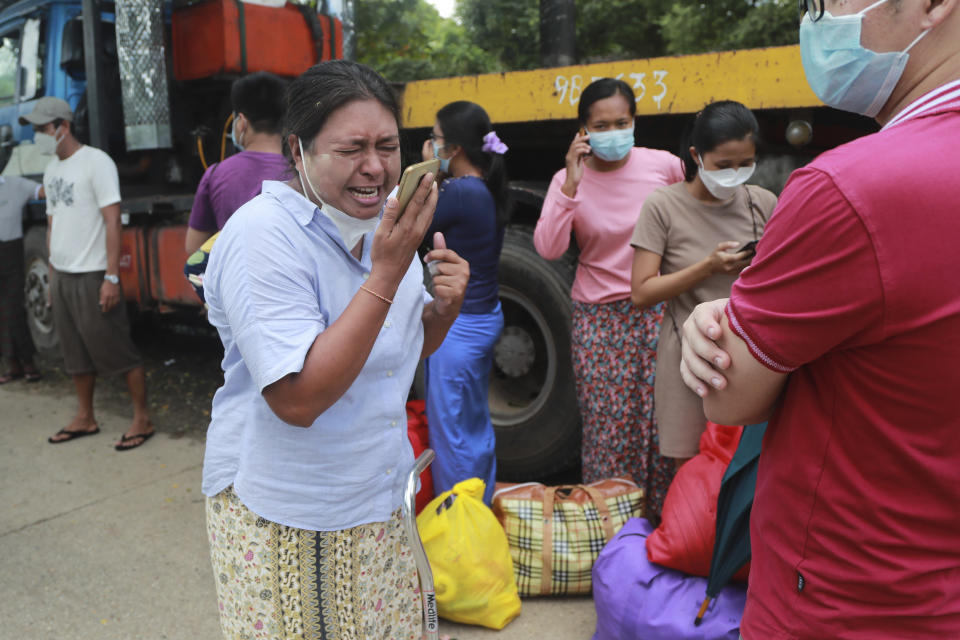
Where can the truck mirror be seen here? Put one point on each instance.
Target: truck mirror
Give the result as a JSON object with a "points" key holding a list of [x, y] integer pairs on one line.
{"points": [[71, 48], [7, 143]]}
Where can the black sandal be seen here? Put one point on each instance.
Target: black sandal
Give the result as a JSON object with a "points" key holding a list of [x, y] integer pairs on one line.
{"points": [[71, 435], [124, 445]]}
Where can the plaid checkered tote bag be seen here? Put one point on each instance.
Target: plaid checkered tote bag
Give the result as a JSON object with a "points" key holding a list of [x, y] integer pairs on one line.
{"points": [[556, 533]]}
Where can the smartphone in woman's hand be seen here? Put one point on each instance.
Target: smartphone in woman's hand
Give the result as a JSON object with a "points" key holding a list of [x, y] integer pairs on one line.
{"points": [[583, 132], [410, 180]]}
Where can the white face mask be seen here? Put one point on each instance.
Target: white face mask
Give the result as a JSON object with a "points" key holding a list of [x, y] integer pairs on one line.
{"points": [[351, 229], [46, 143], [723, 183]]}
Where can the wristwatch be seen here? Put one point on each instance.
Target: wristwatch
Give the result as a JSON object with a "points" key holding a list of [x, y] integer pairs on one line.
{"points": [[111, 278]]}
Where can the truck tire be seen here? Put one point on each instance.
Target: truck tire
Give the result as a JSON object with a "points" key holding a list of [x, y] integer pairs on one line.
{"points": [[36, 286], [533, 400]]}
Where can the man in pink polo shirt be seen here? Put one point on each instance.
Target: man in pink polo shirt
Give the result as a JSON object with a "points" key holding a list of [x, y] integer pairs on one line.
{"points": [[845, 332]]}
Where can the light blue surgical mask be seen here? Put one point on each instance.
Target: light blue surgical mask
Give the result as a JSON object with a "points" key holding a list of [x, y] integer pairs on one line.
{"points": [[444, 162], [843, 73], [234, 138], [611, 145]]}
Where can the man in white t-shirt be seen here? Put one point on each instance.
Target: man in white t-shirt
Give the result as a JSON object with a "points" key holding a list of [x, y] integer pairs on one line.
{"points": [[83, 236]]}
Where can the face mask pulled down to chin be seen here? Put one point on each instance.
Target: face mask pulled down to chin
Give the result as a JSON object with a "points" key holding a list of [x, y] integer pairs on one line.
{"points": [[351, 229]]}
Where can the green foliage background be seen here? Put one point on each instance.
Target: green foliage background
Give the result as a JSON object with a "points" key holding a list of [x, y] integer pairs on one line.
{"points": [[408, 40]]}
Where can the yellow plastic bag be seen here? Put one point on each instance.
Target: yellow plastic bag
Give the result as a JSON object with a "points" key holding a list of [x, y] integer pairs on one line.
{"points": [[470, 558]]}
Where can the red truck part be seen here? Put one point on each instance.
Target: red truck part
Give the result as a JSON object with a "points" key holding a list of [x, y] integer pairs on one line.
{"points": [[168, 285], [151, 267], [218, 37]]}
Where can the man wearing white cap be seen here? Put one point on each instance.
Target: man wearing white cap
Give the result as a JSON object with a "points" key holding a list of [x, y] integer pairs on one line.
{"points": [[83, 237]]}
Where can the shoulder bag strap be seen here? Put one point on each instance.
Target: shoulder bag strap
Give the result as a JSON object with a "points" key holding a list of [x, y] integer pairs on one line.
{"points": [[754, 212], [601, 504]]}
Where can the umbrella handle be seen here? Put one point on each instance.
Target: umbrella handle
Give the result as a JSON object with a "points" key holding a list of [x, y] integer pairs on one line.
{"points": [[409, 511], [703, 610]]}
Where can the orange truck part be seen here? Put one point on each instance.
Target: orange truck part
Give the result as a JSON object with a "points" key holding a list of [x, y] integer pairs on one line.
{"points": [[134, 279], [168, 285], [218, 37], [151, 268]]}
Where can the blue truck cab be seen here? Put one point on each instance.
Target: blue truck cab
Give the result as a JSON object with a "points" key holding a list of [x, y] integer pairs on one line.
{"points": [[39, 56]]}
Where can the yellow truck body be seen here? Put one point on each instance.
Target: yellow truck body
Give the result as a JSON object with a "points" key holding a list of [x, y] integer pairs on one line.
{"points": [[770, 78]]}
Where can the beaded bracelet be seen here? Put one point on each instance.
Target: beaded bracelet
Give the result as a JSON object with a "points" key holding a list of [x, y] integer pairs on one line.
{"points": [[374, 293]]}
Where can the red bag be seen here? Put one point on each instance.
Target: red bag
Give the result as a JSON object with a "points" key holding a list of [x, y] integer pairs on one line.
{"points": [[420, 440], [684, 540]]}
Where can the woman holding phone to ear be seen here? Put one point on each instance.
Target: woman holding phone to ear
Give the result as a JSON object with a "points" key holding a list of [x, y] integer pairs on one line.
{"points": [[471, 213], [686, 245], [316, 290], [597, 197]]}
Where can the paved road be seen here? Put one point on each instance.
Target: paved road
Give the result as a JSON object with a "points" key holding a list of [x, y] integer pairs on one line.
{"points": [[107, 545]]}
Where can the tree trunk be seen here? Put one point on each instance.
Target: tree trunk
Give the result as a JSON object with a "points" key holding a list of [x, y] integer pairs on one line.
{"points": [[558, 33]]}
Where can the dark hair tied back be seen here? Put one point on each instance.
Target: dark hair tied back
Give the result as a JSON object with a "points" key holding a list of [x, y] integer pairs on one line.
{"points": [[719, 122], [314, 95], [465, 124], [600, 90]]}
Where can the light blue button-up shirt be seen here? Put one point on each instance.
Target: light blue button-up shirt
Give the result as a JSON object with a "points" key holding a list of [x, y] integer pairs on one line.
{"points": [[278, 275]]}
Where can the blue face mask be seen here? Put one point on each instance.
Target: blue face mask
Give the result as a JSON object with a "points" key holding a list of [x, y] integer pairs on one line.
{"points": [[611, 145], [841, 71], [234, 138], [444, 162]]}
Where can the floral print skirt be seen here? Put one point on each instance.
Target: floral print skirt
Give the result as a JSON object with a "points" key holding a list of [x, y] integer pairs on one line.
{"points": [[275, 581], [614, 361]]}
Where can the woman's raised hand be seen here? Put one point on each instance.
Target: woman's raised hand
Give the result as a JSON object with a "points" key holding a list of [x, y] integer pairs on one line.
{"points": [[400, 234], [450, 276], [723, 260], [576, 154]]}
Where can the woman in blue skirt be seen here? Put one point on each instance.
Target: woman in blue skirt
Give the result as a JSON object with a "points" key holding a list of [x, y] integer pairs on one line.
{"points": [[471, 214]]}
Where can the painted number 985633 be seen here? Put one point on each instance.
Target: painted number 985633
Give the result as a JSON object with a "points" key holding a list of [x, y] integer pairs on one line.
{"points": [[569, 88]]}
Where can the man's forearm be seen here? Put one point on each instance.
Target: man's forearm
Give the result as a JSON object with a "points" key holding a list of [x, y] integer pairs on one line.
{"points": [[752, 390], [114, 231], [49, 263]]}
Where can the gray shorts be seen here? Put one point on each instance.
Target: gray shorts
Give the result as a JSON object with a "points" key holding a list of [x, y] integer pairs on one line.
{"points": [[91, 341]]}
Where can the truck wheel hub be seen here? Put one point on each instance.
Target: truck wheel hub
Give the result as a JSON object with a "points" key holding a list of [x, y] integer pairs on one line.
{"points": [[35, 289], [514, 353]]}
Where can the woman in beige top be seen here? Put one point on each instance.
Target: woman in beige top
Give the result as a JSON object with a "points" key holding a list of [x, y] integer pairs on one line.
{"points": [[691, 241]]}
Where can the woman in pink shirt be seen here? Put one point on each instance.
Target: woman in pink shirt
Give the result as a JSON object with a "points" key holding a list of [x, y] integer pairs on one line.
{"points": [[598, 197]]}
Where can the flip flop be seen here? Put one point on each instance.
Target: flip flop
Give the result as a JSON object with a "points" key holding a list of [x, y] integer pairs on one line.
{"points": [[71, 435], [123, 446], [10, 377], [31, 376]]}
